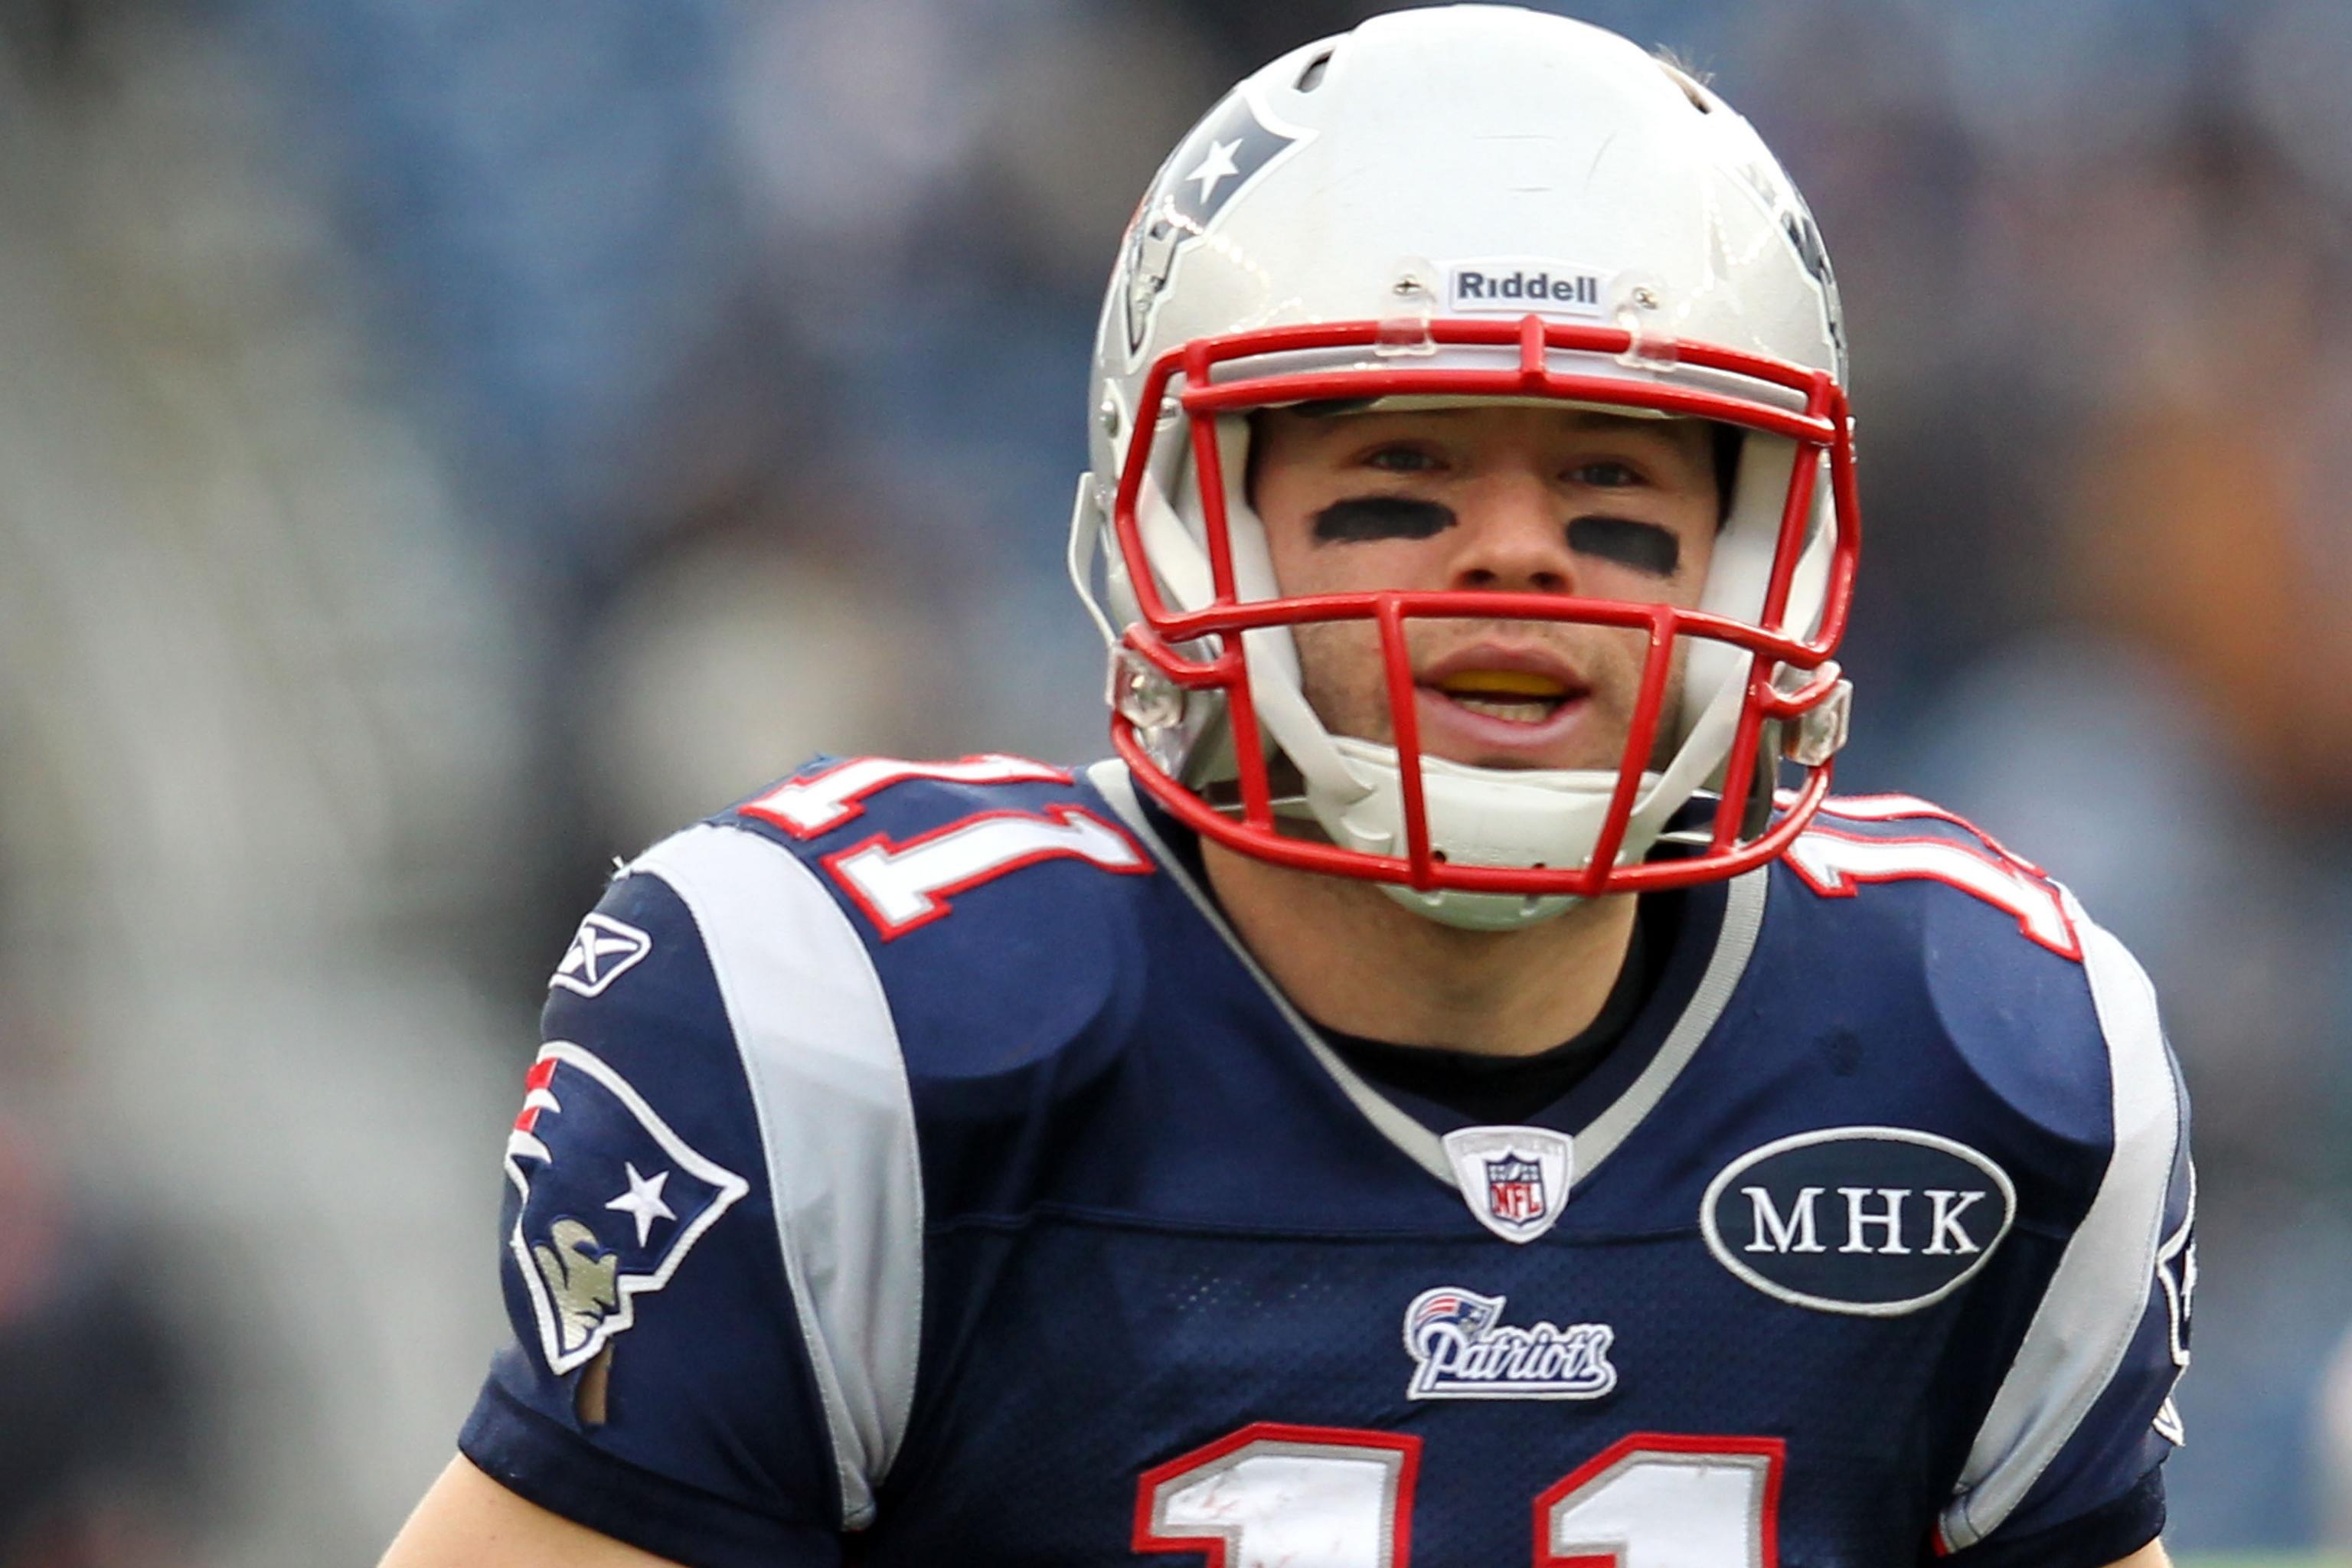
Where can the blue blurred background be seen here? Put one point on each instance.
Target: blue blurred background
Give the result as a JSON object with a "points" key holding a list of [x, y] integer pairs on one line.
{"points": [[446, 445]]}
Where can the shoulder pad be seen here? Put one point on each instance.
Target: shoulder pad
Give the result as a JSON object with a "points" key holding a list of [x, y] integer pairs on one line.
{"points": [[1969, 953], [996, 899]]}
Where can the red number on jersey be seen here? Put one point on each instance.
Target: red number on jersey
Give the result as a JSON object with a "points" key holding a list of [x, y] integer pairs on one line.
{"points": [[1305, 1496], [1321, 1497], [821, 801], [1835, 865], [903, 886]]}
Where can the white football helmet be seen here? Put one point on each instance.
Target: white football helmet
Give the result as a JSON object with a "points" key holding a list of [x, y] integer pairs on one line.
{"points": [[1470, 203]]}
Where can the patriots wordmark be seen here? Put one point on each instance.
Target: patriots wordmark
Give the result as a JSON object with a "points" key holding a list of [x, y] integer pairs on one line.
{"points": [[1463, 1350]]}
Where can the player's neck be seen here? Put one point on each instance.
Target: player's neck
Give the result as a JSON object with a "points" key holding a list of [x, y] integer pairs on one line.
{"points": [[1354, 960]]}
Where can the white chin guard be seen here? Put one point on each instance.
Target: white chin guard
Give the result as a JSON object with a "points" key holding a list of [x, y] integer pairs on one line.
{"points": [[1482, 816]]}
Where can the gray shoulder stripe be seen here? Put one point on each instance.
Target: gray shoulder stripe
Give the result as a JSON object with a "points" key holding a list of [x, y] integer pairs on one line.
{"points": [[829, 1086], [2095, 1299]]}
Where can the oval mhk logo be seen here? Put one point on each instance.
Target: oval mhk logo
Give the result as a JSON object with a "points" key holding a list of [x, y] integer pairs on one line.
{"points": [[1869, 1220]]}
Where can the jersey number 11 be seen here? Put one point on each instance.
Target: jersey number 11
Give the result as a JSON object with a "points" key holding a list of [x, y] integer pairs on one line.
{"points": [[1321, 1497]]}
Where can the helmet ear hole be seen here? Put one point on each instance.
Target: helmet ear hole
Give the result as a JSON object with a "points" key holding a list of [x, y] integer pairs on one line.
{"points": [[1729, 440], [1312, 76]]}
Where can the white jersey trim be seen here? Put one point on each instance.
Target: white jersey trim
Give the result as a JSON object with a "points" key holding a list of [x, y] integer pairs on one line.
{"points": [[1743, 919], [2092, 1307], [836, 1125]]}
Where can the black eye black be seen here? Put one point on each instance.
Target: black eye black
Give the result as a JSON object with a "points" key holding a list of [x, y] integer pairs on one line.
{"points": [[1644, 546], [1360, 518]]}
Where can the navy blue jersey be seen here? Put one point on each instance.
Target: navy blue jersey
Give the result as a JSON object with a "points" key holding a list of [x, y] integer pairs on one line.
{"points": [[918, 1169]]}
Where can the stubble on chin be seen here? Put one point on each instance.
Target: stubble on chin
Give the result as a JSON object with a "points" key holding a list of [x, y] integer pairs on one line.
{"points": [[1344, 679]]}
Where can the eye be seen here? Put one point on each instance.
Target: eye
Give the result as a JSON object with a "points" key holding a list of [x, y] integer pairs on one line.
{"points": [[1605, 475], [1400, 459]]}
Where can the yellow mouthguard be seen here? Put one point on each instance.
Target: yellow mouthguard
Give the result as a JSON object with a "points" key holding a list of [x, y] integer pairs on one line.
{"points": [[1503, 683]]}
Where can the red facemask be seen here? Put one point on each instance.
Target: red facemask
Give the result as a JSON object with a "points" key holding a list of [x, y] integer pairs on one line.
{"points": [[1203, 649]]}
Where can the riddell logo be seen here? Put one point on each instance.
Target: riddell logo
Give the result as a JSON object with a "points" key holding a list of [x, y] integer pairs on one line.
{"points": [[1519, 284]]}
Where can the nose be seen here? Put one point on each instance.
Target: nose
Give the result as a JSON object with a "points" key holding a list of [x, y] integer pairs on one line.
{"points": [[1512, 537]]}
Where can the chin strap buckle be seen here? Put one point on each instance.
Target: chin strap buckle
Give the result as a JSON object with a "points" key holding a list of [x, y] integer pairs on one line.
{"points": [[1818, 734]]}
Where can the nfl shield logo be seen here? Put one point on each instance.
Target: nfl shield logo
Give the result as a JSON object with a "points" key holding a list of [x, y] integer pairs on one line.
{"points": [[1515, 1189], [1514, 1180]]}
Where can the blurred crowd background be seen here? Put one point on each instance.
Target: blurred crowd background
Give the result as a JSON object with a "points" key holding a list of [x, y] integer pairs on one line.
{"points": [[444, 446]]}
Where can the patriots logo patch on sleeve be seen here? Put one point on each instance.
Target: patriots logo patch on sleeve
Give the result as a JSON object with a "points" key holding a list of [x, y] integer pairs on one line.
{"points": [[1225, 153], [613, 1200]]}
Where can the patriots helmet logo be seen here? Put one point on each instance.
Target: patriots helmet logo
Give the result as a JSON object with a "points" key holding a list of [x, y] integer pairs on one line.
{"points": [[612, 1201], [1466, 1310], [1225, 151]]}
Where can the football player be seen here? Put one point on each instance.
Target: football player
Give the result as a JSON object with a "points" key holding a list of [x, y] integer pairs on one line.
{"points": [[1455, 1087]]}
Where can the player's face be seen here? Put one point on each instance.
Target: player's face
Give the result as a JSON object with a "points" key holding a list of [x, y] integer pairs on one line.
{"points": [[1504, 498]]}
